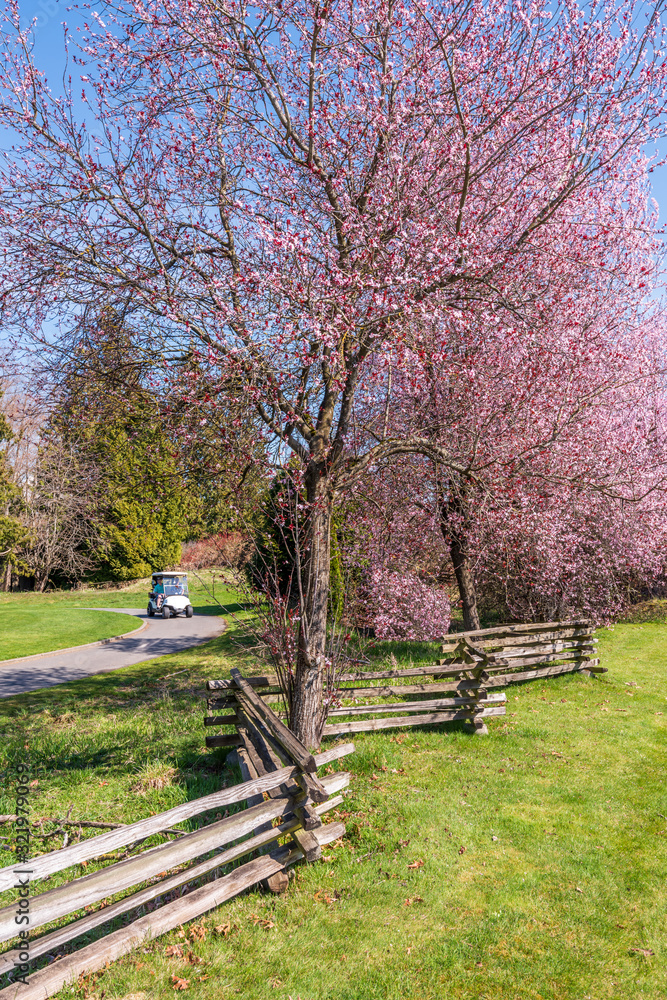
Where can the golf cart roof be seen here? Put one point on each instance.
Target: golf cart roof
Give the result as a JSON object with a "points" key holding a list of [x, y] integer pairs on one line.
{"points": [[168, 572]]}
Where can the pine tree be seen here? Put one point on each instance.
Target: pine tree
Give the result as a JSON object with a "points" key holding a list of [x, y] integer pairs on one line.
{"points": [[109, 413], [13, 533]]}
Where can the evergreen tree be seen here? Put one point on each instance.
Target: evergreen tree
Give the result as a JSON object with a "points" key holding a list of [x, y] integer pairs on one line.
{"points": [[13, 533], [109, 412]]}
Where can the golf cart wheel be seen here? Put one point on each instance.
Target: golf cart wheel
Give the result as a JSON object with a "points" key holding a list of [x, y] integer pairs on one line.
{"points": [[166, 612], [189, 611], [150, 612]]}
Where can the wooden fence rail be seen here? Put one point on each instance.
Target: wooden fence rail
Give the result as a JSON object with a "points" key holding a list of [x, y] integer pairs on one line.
{"points": [[462, 687], [296, 801]]}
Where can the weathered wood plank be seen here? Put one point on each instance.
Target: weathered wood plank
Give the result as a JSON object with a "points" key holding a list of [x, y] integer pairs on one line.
{"points": [[521, 653], [276, 753], [503, 630], [220, 720], [54, 939], [525, 639], [312, 787], [309, 844], [531, 661], [89, 889], [427, 670], [95, 956], [223, 741], [103, 843], [416, 706], [371, 725], [256, 682], [514, 652], [114, 878], [46, 982], [228, 701], [272, 757], [383, 691], [529, 675], [521, 662], [246, 697]]}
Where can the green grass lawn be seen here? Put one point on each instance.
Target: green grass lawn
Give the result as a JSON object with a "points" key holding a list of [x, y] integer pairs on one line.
{"points": [[29, 629], [33, 623], [527, 864]]}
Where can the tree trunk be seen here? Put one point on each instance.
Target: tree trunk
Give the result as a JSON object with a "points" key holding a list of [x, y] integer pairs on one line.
{"points": [[454, 521], [315, 573]]}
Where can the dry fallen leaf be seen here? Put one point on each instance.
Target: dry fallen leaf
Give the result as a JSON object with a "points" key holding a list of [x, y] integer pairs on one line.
{"points": [[577, 889], [223, 929], [462, 850], [180, 984], [174, 951], [646, 952], [197, 932], [414, 899], [194, 959], [417, 864]]}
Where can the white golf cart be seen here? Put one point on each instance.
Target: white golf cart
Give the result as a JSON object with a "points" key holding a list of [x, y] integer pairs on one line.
{"points": [[169, 595]]}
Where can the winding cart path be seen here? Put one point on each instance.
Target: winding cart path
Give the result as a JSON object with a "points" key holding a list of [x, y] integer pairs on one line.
{"points": [[157, 637]]}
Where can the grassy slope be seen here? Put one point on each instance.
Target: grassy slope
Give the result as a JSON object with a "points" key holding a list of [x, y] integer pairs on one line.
{"points": [[571, 784], [33, 623], [28, 629]]}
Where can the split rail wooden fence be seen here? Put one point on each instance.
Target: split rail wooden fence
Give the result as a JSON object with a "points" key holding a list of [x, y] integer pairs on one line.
{"points": [[462, 687], [274, 763], [531, 652]]}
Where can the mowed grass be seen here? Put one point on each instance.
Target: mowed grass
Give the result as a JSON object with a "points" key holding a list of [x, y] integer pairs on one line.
{"points": [[526, 864], [32, 623], [26, 629]]}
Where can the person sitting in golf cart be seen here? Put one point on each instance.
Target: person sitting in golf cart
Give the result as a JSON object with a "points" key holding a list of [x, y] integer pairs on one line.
{"points": [[158, 590]]}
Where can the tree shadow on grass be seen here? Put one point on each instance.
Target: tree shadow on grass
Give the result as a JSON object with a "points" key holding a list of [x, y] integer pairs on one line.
{"points": [[109, 724], [230, 608]]}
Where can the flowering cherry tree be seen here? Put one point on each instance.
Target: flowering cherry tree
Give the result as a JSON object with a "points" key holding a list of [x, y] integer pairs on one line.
{"points": [[303, 196], [405, 607], [564, 505]]}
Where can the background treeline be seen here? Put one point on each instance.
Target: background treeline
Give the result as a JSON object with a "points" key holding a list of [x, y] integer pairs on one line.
{"points": [[111, 477], [115, 472]]}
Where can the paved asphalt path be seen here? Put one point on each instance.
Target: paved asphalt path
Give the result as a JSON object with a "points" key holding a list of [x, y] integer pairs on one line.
{"points": [[159, 637]]}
